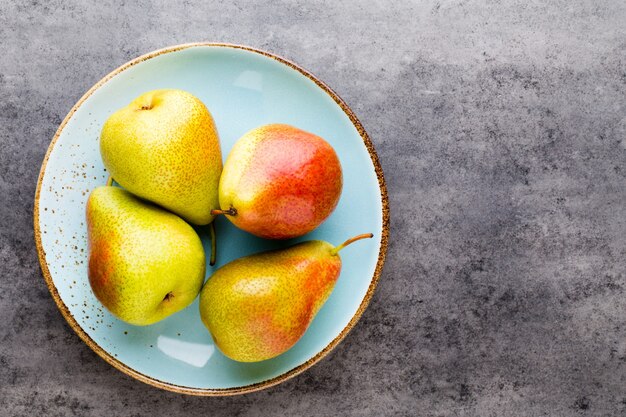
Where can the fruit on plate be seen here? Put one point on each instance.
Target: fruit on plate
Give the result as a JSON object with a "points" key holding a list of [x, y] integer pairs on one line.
{"points": [[259, 306], [145, 263], [279, 182], [164, 147]]}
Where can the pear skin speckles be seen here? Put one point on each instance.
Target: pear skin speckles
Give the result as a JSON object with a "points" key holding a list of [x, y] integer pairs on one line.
{"points": [[283, 182], [164, 147], [145, 263], [259, 306]]}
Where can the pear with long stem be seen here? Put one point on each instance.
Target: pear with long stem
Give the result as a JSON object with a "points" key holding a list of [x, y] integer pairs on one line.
{"points": [[259, 306]]}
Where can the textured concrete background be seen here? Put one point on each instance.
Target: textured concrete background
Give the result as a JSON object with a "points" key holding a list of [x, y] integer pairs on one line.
{"points": [[502, 131]]}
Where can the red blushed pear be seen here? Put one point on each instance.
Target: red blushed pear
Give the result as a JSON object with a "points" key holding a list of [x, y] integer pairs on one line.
{"points": [[145, 263], [259, 306], [279, 182]]}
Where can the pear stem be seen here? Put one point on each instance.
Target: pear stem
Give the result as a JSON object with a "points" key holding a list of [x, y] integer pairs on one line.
{"points": [[213, 244], [230, 212], [336, 250], [109, 181]]}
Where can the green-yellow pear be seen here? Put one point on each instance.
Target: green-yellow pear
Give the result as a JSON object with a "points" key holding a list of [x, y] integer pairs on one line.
{"points": [[259, 306], [145, 263], [164, 147]]}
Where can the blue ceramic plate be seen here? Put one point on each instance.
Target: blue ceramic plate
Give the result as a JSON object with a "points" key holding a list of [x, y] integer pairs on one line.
{"points": [[243, 88]]}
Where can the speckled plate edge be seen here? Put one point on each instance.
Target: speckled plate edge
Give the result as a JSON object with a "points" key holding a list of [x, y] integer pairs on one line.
{"points": [[260, 385]]}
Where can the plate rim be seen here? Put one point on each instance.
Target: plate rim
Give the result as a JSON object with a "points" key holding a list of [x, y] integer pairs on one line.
{"points": [[116, 363]]}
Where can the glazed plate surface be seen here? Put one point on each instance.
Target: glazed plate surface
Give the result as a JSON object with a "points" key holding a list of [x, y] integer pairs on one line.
{"points": [[243, 88]]}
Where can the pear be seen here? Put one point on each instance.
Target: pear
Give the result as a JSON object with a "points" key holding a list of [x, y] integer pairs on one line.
{"points": [[259, 306], [145, 263], [279, 182], [164, 147]]}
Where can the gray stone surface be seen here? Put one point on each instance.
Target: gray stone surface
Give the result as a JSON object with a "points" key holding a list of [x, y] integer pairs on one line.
{"points": [[501, 126]]}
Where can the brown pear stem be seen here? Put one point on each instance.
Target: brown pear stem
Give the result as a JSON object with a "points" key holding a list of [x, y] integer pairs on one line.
{"points": [[213, 243], [230, 212], [109, 181], [336, 250]]}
